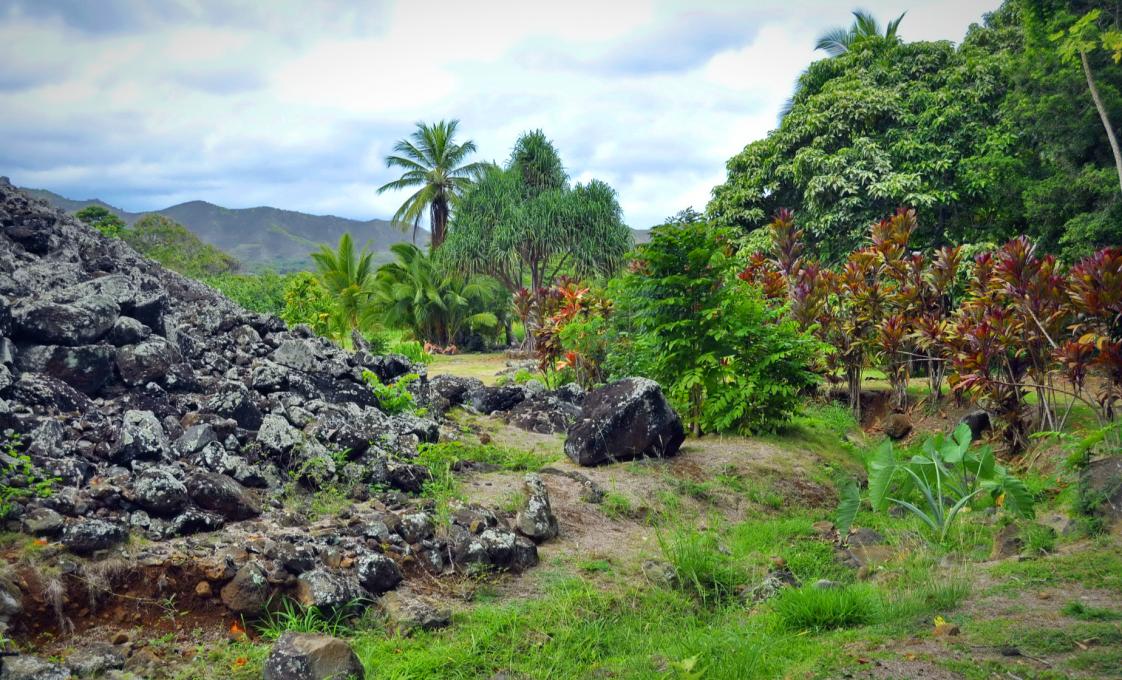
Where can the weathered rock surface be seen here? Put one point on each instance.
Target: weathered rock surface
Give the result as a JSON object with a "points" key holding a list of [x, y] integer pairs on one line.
{"points": [[625, 420], [896, 426], [1102, 482], [536, 519], [311, 656]]}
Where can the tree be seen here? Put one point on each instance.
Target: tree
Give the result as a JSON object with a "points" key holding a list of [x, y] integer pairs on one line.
{"points": [[174, 246], [349, 278], [101, 219], [839, 40], [1076, 42], [414, 292], [433, 164], [524, 225]]}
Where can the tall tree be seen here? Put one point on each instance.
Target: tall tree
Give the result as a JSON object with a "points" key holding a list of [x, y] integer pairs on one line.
{"points": [[434, 165], [865, 26], [349, 276]]}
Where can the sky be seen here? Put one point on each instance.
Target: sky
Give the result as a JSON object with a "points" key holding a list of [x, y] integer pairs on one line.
{"points": [[296, 103]]}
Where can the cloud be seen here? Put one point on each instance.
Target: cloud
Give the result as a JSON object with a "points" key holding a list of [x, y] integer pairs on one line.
{"points": [[294, 103]]}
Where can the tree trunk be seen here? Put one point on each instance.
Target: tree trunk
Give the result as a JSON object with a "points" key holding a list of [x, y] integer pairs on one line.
{"points": [[1103, 115]]}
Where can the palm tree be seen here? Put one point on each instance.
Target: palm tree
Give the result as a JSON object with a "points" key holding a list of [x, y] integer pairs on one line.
{"points": [[349, 277], [839, 41], [414, 293], [433, 164]]}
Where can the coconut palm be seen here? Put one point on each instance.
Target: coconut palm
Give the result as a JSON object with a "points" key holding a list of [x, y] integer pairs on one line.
{"points": [[434, 165], [349, 277], [839, 41]]}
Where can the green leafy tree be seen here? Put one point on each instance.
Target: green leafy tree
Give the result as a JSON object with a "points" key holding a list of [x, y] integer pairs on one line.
{"points": [[682, 317], [523, 224], [101, 219], [434, 166], [864, 27], [173, 246], [348, 276]]}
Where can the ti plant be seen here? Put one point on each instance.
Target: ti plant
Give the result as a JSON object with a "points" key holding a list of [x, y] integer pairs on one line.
{"points": [[937, 484]]}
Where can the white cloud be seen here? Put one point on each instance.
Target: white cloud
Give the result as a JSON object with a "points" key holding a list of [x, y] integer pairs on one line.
{"points": [[296, 106]]}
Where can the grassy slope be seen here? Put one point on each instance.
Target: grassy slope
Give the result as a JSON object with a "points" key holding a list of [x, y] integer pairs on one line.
{"points": [[719, 514]]}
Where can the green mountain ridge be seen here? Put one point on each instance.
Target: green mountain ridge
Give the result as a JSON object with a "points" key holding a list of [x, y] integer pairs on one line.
{"points": [[259, 237]]}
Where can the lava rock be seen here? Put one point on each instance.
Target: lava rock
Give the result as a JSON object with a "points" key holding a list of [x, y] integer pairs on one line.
{"points": [[453, 388], [80, 323], [27, 667], [327, 590], [406, 612], [488, 400], [159, 491], [544, 414], [127, 331], [248, 592], [535, 519], [95, 659], [378, 573], [87, 368], [142, 437], [146, 362], [979, 423], [1102, 479], [41, 522], [91, 535], [277, 436], [312, 656], [233, 400], [222, 494], [625, 420]]}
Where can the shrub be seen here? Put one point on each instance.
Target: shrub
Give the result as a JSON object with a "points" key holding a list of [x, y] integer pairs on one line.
{"points": [[818, 609], [263, 292], [728, 361], [395, 397], [19, 468]]}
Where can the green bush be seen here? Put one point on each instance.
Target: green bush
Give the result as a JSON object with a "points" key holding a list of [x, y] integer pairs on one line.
{"points": [[262, 293], [395, 397], [172, 245], [19, 466], [818, 609], [683, 318]]}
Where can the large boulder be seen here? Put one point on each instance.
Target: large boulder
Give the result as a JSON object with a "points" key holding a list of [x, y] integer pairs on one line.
{"points": [[223, 495], [488, 400], [53, 323], [248, 592], [142, 438], [234, 400], [544, 414], [311, 656], [146, 362], [328, 590], [91, 535], [627, 419], [453, 388], [378, 573], [159, 491], [86, 368]]}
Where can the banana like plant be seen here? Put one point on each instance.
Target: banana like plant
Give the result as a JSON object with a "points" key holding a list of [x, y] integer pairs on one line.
{"points": [[947, 477]]}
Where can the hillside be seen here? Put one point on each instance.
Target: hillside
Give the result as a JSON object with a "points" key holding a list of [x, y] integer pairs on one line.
{"points": [[259, 237]]}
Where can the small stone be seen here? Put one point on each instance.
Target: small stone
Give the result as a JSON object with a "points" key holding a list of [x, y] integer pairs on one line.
{"points": [[311, 656], [203, 589]]}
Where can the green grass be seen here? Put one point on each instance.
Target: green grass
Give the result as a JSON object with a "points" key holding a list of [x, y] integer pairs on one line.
{"points": [[818, 609], [1097, 567], [434, 455], [617, 506], [1080, 611], [702, 568], [291, 616]]}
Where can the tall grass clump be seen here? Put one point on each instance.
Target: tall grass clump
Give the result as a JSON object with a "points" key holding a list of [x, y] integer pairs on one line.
{"points": [[819, 609], [701, 568]]}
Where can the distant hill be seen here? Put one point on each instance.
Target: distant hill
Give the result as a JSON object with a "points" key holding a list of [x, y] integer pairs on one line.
{"points": [[258, 237]]}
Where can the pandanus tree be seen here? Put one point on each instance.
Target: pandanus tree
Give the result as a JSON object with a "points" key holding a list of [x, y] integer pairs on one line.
{"points": [[434, 165], [525, 226]]}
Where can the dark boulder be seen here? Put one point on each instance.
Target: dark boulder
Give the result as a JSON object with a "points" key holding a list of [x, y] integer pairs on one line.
{"points": [[390, 367], [127, 331], [453, 388], [86, 368], [378, 573], [223, 495], [91, 535], [312, 656], [47, 395], [896, 426], [159, 491], [488, 400], [625, 420], [544, 414], [146, 362], [234, 400], [328, 590], [979, 423], [248, 592], [80, 323], [142, 437]]}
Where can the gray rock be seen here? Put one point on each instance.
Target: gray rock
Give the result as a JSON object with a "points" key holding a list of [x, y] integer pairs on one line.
{"points": [[488, 400], [248, 592], [328, 590], [416, 527], [378, 573], [80, 323], [195, 438], [27, 667], [127, 331], [896, 426], [159, 491], [311, 656], [536, 519], [41, 522], [233, 400], [91, 535], [298, 354], [87, 368], [149, 361], [277, 436], [406, 612], [142, 438], [222, 494], [95, 659], [625, 420], [453, 388]]}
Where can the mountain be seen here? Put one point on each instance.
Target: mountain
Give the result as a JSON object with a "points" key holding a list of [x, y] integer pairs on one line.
{"points": [[258, 237]]}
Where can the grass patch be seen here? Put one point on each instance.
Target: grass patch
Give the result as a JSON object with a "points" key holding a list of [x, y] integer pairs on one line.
{"points": [[450, 453], [818, 609], [1078, 610], [291, 616], [1099, 567], [702, 568], [617, 506]]}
